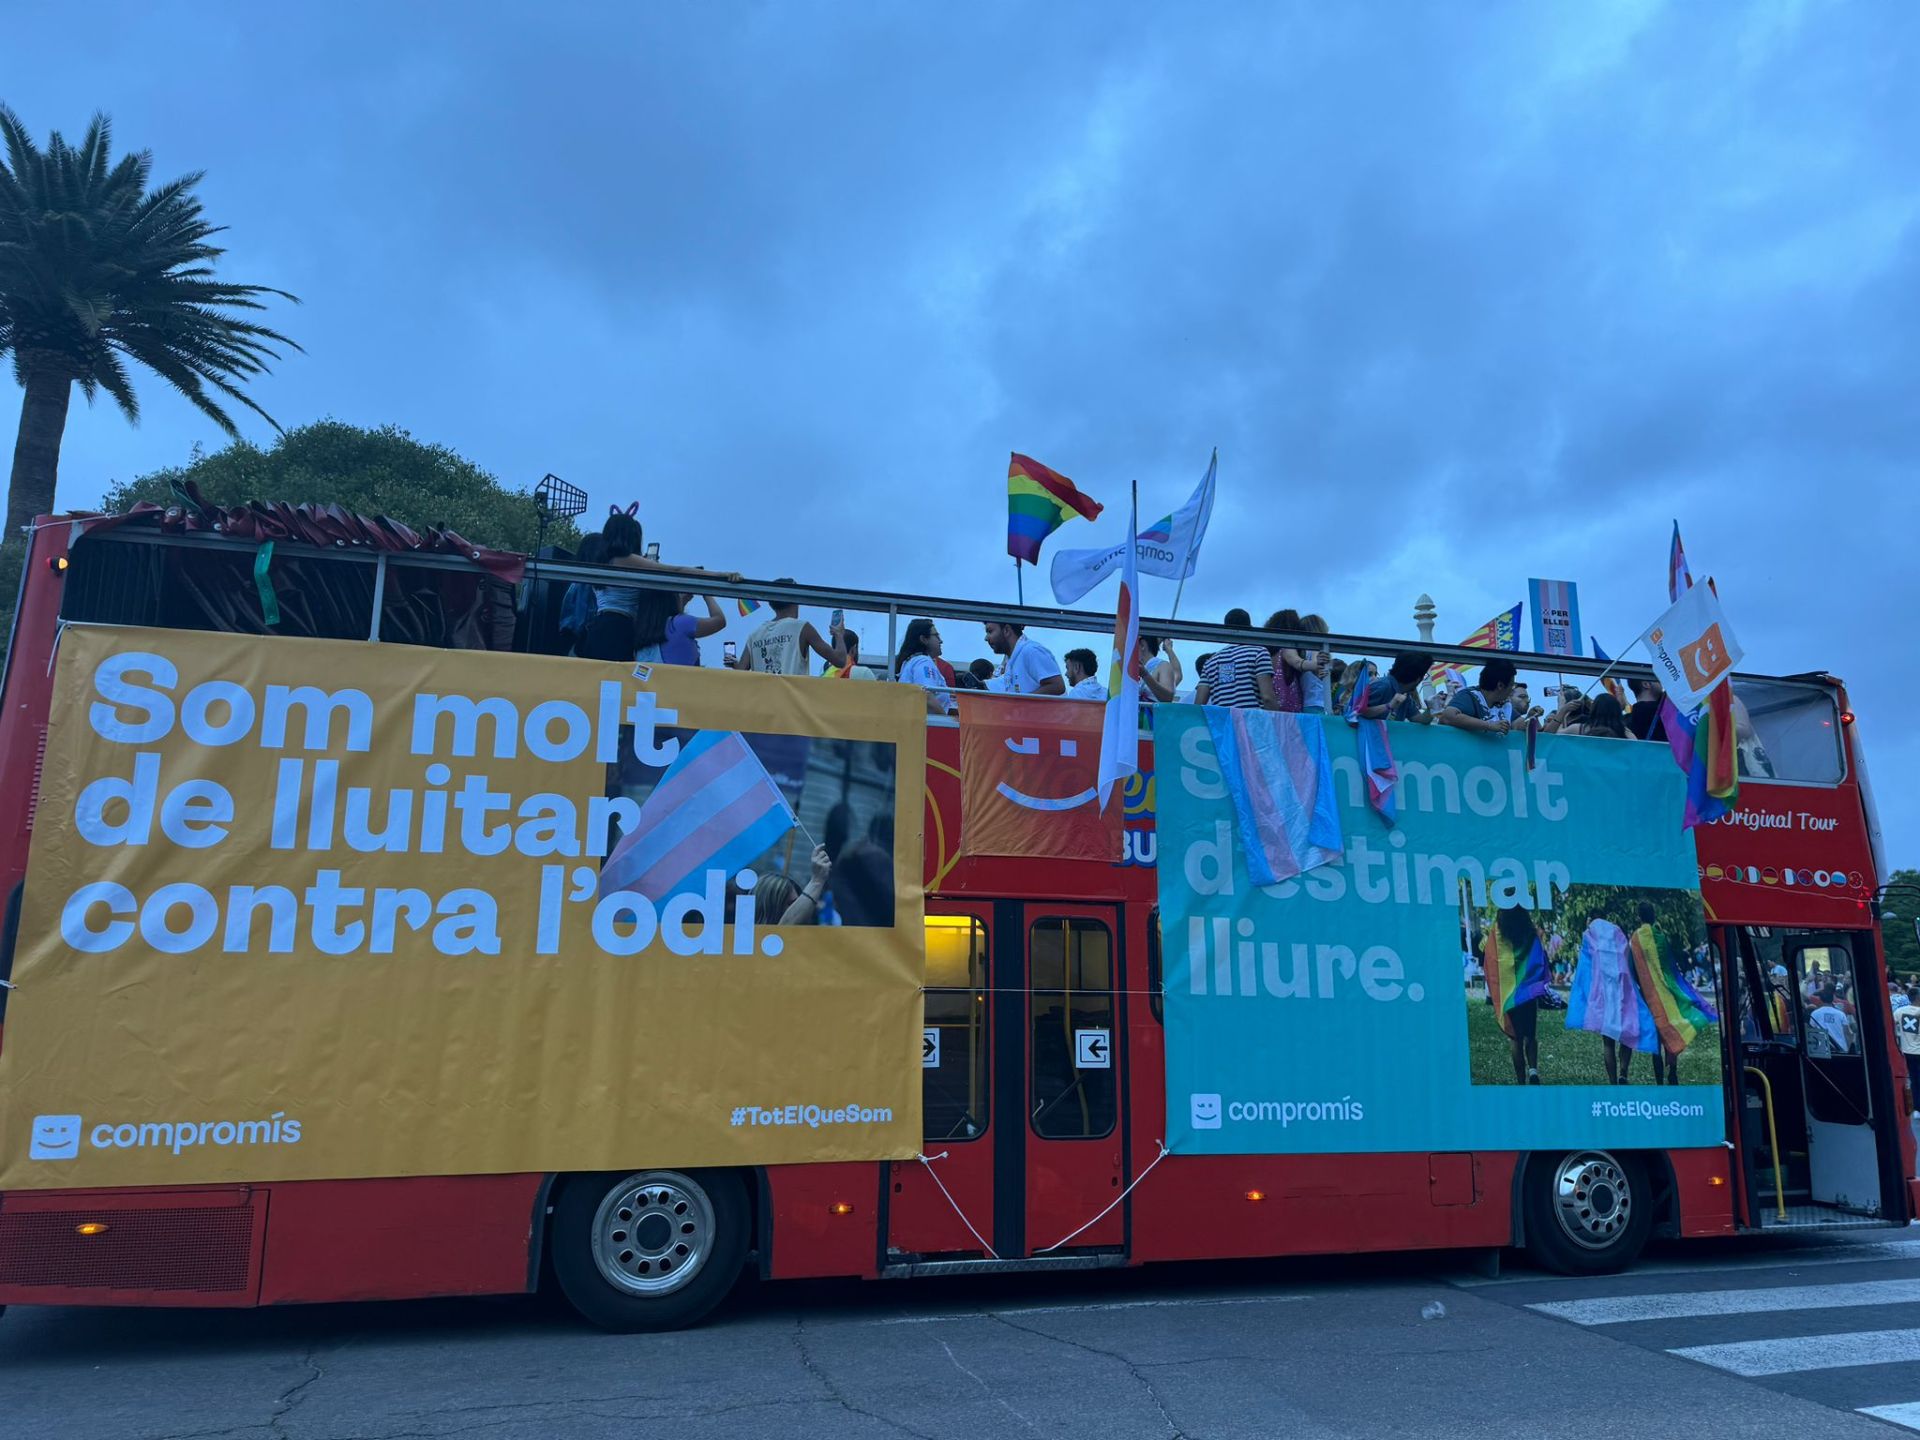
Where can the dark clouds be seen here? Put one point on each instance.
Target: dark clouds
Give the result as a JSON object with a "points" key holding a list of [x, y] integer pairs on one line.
{"points": [[1462, 295]]}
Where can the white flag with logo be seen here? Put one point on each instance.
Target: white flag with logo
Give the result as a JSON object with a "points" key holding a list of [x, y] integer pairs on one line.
{"points": [[1692, 647], [1170, 547]]}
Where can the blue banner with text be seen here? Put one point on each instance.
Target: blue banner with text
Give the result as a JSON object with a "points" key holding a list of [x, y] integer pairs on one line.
{"points": [[1518, 961]]}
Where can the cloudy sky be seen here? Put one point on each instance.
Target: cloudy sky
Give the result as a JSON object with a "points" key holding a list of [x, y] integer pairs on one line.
{"points": [[1462, 294]]}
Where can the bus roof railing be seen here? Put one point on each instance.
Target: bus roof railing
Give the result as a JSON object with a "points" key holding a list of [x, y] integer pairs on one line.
{"points": [[900, 606]]}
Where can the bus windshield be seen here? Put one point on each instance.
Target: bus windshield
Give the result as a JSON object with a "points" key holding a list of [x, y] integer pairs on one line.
{"points": [[1788, 731]]}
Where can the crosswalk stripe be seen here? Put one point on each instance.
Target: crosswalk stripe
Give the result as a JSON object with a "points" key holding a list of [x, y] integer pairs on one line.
{"points": [[1807, 1352], [1907, 1416], [1621, 1309], [1784, 1257]]}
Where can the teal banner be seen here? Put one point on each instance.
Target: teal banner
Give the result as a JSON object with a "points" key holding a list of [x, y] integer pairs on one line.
{"points": [[1517, 961]]}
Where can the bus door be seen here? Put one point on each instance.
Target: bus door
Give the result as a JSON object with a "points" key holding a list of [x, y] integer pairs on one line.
{"points": [[1071, 1147], [1022, 1072], [957, 1094], [1843, 1152]]}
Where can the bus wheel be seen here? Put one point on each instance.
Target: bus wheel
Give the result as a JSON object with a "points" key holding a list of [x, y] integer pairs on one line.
{"points": [[650, 1250], [1587, 1212]]}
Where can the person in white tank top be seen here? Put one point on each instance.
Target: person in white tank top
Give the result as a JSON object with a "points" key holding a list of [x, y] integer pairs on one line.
{"points": [[780, 646]]}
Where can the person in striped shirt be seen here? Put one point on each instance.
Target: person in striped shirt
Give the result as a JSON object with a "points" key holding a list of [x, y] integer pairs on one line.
{"points": [[1238, 677]]}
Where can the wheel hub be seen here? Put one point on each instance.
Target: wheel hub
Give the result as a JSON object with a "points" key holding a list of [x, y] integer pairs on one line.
{"points": [[1592, 1199], [653, 1232]]}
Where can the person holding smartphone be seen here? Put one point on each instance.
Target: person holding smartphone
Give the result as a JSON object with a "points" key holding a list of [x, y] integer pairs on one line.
{"points": [[781, 645]]}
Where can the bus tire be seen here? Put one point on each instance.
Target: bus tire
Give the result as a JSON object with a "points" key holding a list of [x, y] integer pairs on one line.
{"points": [[649, 1249], [1588, 1212]]}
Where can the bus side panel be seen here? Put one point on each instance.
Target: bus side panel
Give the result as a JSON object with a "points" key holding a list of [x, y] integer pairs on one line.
{"points": [[1253, 1205], [801, 1232], [176, 1247], [1703, 1191], [23, 723], [399, 1239]]}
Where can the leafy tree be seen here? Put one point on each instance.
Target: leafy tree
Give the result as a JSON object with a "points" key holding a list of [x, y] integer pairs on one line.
{"points": [[95, 270], [1903, 949], [372, 472], [1677, 912]]}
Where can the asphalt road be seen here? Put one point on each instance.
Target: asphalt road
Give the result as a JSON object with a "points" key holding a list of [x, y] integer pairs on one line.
{"points": [[1746, 1339]]}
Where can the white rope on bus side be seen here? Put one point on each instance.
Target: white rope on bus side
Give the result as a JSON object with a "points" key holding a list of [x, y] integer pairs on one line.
{"points": [[1164, 1152], [928, 1162]]}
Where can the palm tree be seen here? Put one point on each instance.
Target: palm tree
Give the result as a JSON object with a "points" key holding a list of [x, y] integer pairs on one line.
{"points": [[95, 269]]}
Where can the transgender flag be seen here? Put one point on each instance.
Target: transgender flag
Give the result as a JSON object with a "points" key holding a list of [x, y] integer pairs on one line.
{"points": [[714, 808], [1279, 775]]}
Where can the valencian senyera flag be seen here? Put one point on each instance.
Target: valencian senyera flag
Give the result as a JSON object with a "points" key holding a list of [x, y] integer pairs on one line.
{"points": [[1120, 724], [1502, 632], [1039, 501]]}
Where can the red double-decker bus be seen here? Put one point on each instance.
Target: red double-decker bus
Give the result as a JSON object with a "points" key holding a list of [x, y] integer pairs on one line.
{"points": [[1035, 1156]]}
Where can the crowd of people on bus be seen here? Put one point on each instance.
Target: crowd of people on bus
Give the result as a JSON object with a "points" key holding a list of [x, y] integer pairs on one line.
{"points": [[616, 622]]}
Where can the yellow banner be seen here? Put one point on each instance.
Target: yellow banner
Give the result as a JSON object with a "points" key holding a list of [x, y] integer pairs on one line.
{"points": [[301, 909]]}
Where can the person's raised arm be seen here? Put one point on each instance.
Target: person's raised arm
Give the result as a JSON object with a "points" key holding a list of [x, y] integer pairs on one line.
{"points": [[806, 905], [834, 654], [640, 562], [1179, 670], [715, 620]]}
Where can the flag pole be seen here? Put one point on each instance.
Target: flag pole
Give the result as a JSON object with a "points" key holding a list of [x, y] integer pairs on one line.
{"points": [[1019, 585]]}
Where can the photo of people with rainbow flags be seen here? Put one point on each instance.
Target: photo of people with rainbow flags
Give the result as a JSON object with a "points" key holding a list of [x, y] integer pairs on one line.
{"points": [[1580, 994]]}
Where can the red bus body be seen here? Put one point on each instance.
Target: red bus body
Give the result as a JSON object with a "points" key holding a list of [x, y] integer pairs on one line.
{"points": [[345, 1240]]}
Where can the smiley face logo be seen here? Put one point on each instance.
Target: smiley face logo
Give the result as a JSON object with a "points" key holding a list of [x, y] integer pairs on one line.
{"points": [[1030, 745], [1205, 1111], [55, 1137]]}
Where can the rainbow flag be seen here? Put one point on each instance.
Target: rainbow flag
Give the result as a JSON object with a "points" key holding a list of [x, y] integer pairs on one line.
{"points": [[1676, 1007], [747, 607], [1512, 979], [1678, 576], [1039, 502], [1709, 759], [1502, 632]]}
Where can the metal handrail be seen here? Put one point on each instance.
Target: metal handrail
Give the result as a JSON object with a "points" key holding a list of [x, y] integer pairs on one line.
{"points": [[1773, 1141], [898, 604]]}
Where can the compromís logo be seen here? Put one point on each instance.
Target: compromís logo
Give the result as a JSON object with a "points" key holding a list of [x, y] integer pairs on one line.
{"points": [[58, 1137], [55, 1137]]}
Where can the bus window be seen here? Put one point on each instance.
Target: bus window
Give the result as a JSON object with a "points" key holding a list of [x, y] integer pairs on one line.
{"points": [[1827, 993], [1780, 1010], [1071, 969], [1787, 731], [954, 1081]]}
